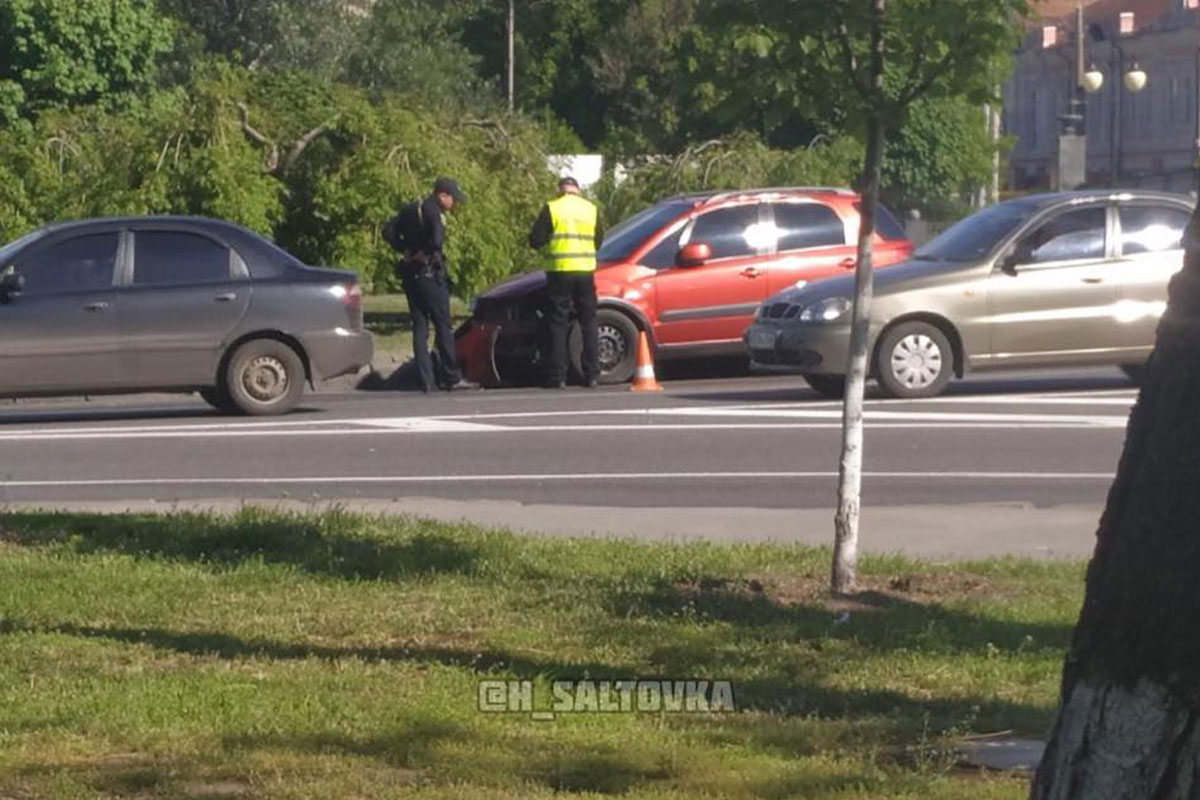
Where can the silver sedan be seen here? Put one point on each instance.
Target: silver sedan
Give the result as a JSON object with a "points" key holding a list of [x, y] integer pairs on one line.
{"points": [[1053, 280]]}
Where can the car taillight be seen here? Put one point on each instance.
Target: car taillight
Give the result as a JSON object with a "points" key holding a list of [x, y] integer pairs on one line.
{"points": [[349, 293]]}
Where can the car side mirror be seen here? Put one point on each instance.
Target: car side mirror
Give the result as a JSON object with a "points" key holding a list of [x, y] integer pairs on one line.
{"points": [[693, 255], [11, 284], [1009, 261]]}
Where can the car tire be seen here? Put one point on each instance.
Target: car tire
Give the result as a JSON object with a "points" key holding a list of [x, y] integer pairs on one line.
{"points": [[218, 398], [830, 387], [264, 377], [914, 359], [618, 347]]}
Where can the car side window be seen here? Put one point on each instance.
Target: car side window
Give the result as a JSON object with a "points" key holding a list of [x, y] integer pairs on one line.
{"points": [[81, 264], [662, 255], [1151, 229], [730, 232], [803, 225], [166, 258], [1071, 236]]}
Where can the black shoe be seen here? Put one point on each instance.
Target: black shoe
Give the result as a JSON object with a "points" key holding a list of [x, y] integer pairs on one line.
{"points": [[590, 383], [463, 385], [555, 383]]}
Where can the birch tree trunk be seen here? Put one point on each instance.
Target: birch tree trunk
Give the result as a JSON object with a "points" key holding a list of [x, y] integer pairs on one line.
{"points": [[845, 547], [1127, 723]]}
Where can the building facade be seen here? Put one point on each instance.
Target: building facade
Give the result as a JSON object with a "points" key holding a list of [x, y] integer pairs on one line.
{"points": [[1145, 138]]}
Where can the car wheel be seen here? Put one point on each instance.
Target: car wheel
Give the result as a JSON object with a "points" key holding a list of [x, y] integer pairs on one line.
{"points": [[618, 346], [218, 398], [264, 377], [914, 360], [831, 387]]}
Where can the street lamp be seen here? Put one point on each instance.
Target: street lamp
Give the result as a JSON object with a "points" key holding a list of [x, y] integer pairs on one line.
{"points": [[1072, 140], [1133, 81]]}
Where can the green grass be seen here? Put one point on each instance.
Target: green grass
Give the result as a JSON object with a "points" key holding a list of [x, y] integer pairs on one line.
{"points": [[276, 656], [386, 317]]}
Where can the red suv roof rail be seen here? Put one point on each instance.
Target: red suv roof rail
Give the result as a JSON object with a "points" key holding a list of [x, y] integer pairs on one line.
{"points": [[719, 196]]}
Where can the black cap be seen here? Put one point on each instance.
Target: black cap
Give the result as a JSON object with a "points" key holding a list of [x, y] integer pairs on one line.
{"points": [[567, 180], [449, 186]]}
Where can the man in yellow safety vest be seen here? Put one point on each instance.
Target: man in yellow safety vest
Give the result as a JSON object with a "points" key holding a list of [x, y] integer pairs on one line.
{"points": [[569, 230]]}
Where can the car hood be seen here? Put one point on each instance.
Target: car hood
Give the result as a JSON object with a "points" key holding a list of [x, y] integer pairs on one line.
{"points": [[910, 275], [517, 286]]}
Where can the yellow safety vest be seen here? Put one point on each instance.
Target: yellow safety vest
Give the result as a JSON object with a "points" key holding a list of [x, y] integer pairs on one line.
{"points": [[573, 241]]}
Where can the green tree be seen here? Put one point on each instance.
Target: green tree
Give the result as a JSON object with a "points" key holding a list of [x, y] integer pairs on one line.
{"points": [[414, 47], [938, 157], [872, 60], [56, 53], [317, 35]]}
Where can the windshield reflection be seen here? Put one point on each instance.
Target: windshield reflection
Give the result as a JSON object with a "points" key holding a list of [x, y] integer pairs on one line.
{"points": [[978, 235]]}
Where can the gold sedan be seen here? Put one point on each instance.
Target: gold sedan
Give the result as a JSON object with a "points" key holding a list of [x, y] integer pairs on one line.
{"points": [[1053, 280]]}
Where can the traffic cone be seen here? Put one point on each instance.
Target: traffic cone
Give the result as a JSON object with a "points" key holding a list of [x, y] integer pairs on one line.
{"points": [[643, 377]]}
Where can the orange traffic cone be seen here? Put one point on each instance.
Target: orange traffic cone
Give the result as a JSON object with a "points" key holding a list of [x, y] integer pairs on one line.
{"points": [[643, 378]]}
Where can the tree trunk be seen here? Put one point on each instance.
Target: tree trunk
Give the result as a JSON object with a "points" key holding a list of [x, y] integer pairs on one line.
{"points": [[1127, 724], [845, 547]]}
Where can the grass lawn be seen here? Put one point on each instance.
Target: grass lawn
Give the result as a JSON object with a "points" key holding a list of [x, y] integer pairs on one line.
{"points": [[267, 655], [386, 317]]}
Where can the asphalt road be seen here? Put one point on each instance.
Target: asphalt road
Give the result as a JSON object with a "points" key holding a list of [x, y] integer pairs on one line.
{"points": [[1011, 463]]}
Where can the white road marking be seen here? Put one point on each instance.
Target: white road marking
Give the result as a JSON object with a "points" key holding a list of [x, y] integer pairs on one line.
{"points": [[640, 421], [445, 427], [430, 425], [551, 477], [819, 415]]}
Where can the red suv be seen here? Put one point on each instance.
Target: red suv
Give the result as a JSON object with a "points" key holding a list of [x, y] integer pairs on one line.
{"points": [[690, 271]]}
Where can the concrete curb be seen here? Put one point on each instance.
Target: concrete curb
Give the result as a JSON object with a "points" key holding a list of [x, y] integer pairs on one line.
{"points": [[1004, 753]]}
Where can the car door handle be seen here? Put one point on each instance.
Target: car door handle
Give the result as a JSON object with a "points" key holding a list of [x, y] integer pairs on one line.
{"points": [[752, 272], [228, 297], [848, 263], [97, 306], [1093, 279]]}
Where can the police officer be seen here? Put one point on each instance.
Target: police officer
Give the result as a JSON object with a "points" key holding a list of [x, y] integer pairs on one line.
{"points": [[420, 235], [569, 229]]}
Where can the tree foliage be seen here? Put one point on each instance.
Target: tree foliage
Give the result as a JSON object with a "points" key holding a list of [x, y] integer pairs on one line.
{"points": [[314, 34], [312, 119], [56, 53], [741, 161], [939, 157], [226, 146]]}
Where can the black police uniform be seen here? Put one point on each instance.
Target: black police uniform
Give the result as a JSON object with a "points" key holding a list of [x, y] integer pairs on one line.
{"points": [[423, 273]]}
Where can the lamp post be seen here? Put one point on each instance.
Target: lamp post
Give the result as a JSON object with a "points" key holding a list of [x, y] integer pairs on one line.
{"points": [[1072, 139], [1133, 81]]}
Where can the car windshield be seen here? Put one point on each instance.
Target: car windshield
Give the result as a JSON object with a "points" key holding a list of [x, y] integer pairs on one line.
{"points": [[10, 249], [977, 235], [623, 239]]}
